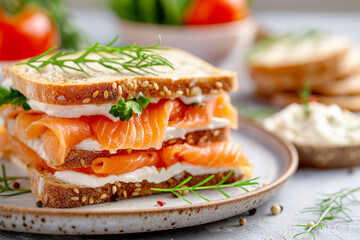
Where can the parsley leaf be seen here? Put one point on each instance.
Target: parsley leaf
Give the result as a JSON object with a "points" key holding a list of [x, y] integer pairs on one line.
{"points": [[125, 109], [13, 97]]}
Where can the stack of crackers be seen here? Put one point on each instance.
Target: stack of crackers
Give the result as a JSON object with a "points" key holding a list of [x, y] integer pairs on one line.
{"points": [[280, 67]]}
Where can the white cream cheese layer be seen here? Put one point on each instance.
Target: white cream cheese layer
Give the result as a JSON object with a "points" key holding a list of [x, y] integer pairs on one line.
{"points": [[91, 144], [325, 126], [150, 174]]}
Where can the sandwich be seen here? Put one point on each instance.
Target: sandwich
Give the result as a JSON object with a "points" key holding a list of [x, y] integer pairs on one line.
{"points": [[111, 123]]}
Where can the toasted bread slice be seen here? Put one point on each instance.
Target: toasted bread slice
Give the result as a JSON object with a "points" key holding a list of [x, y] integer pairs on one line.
{"points": [[190, 77], [283, 99], [328, 157], [346, 86]]}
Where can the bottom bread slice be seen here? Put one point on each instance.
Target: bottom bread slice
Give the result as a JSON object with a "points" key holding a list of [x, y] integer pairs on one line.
{"points": [[58, 194]]}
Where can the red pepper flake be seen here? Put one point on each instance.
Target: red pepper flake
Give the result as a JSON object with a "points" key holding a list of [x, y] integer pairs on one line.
{"points": [[313, 99], [16, 185], [161, 203]]}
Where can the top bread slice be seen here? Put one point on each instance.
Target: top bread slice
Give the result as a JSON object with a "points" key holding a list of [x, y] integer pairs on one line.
{"points": [[190, 77]]}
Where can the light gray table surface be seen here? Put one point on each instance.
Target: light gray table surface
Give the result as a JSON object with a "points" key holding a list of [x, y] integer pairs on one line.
{"points": [[301, 191]]}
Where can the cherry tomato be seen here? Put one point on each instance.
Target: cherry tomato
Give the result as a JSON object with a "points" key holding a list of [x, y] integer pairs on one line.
{"points": [[216, 11], [26, 34]]}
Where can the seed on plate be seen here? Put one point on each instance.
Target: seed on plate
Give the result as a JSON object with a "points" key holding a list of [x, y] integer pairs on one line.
{"points": [[310, 224], [76, 190], [276, 209], [74, 198], [242, 221], [94, 95], [39, 204], [86, 100], [16, 185], [144, 84]]}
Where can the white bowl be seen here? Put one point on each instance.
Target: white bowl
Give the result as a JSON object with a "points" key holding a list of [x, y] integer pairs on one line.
{"points": [[213, 42]]}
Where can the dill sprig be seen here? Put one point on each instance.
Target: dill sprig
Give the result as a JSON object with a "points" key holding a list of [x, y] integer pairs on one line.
{"points": [[199, 186], [329, 208], [13, 97], [136, 59], [6, 182], [305, 97]]}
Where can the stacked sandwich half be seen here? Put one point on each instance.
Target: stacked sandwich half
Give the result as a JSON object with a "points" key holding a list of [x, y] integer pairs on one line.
{"points": [[98, 134]]}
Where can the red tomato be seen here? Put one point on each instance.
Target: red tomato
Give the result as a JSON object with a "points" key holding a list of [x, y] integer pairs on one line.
{"points": [[216, 11], [26, 34]]}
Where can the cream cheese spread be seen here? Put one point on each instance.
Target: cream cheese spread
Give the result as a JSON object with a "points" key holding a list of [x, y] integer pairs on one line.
{"points": [[325, 126], [150, 174]]}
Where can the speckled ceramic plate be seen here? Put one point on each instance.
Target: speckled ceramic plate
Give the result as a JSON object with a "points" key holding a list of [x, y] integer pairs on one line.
{"points": [[275, 161]]}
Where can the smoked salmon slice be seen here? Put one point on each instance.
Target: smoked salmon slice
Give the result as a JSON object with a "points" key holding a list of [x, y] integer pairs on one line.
{"points": [[125, 163], [59, 135], [215, 155], [10, 145], [224, 109], [140, 132]]}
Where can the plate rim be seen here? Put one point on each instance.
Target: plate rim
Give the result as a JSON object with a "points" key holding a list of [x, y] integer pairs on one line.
{"points": [[285, 176]]}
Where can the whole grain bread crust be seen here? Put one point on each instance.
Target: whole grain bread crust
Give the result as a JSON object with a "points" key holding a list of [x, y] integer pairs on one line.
{"points": [[191, 77], [54, 193]]}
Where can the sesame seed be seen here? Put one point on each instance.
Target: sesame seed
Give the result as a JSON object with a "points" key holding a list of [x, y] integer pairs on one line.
{"points": [[203, 139], [165, 88], [91, 200], [168, 93], [114, 85], [242, 221], [162, 93], [135, 194], [187, 91], [125, 194], [114, 189], [103, 196], [150, 86], [214, 91], [82, 161], [190, 141], [216, 133], [156, 86], [120, 89], [131, 86], [74, 198], [179, 93], [144, 84], [94, 95], [118, 184], [83, 199], [137, 189], [219, 84], [171, 180], [193, 92], [86, 100], [137, 184], [106, 94], [172, 141], [310, 224], [76, 190]]}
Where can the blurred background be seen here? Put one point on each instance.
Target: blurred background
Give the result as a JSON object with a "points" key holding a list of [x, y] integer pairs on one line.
{"points": [[220, 31]]}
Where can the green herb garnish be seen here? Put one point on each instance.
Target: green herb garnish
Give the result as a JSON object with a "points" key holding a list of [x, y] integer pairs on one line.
{"points": [[305, 97], [329, 208], [125, 108], [13, 97], [255, 114], [241, 184], [6, 182], [136, 59]]}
